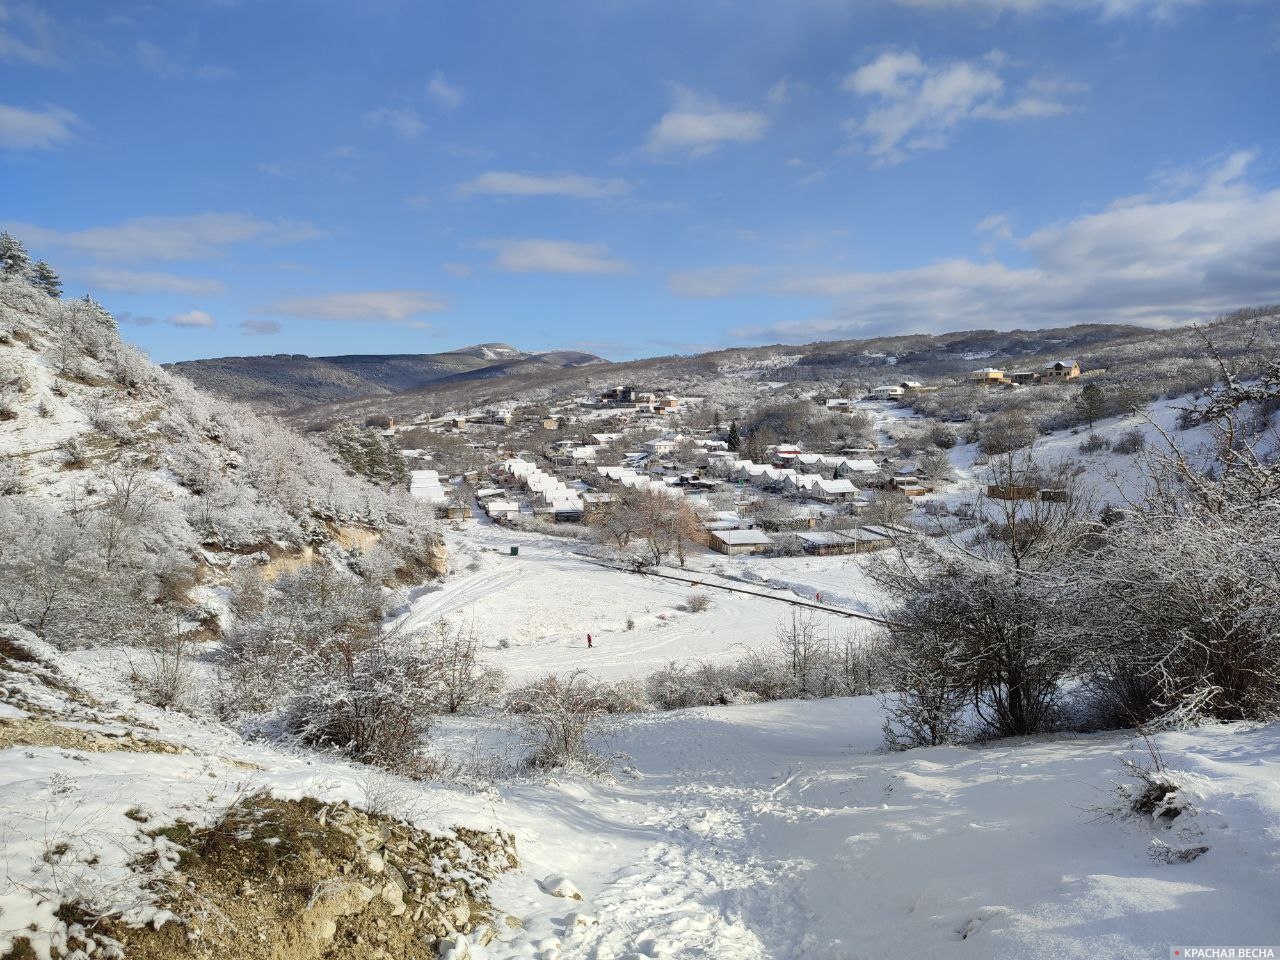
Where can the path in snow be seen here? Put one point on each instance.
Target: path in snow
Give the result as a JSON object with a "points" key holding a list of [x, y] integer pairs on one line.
{"points": [[781, 831]]}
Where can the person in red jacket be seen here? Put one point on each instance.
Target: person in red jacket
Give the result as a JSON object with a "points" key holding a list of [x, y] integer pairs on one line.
{"points": [[589, 645]]}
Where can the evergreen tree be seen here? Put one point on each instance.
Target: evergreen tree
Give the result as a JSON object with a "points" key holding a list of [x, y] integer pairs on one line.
{"points": [[1092, 403], [44, 277], [14, 260], [735, 438]]}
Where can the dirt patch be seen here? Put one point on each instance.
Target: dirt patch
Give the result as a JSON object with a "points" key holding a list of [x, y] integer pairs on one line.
{"points": [[304, 880], [38, 732]]}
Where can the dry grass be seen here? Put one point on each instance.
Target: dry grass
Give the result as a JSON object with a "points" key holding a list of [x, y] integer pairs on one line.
{"points": [[302, 880]]}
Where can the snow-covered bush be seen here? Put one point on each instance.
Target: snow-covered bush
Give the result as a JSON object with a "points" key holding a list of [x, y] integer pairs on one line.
{"points": [[563, 717], [308, 654], [977, 623], [1130, 441], [462, 683]]}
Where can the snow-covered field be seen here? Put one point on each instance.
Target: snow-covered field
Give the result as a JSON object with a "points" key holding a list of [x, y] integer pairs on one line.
{"points": [[543, 602]]}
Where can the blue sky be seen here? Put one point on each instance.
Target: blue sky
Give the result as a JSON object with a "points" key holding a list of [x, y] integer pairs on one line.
{"points": [[637, 178]]}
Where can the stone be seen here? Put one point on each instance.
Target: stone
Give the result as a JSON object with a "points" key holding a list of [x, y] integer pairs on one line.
{"points": [[557, 886]]}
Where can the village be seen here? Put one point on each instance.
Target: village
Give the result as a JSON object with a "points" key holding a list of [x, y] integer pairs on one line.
{"points": [[567, 464]]}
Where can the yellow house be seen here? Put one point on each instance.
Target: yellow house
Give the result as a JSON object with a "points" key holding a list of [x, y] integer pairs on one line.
{"points": [[987, 376], [1061, 370]]}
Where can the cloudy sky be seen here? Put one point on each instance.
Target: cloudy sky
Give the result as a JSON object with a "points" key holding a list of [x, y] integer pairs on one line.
{"points": [[634, 178]]}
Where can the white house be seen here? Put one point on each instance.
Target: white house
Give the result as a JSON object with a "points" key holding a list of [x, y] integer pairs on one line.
{"points": [[888, 391], [425, 485]]}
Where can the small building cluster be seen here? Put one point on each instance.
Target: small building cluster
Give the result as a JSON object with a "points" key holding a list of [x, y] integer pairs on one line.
{"points": [[1058, 371]]}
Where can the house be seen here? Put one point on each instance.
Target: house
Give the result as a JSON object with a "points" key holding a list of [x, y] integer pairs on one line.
{"points": [[662, 445], [784, 452], [624, 395], [987, 377], [1061, 370], [458, 424], [1012, 491], [425, 485], [499, 510], [911, 386], [828, 543], [832, 491], [550, 423], [909, 485], [1024, 378], [839, 404], [852, 467], [888, 391], [735, 543]]}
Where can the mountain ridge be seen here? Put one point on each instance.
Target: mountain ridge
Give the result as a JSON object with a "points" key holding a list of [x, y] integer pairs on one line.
{"points": [[288, 381]]}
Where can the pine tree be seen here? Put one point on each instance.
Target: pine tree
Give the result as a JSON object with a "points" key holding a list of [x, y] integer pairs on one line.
{"points": [[1091, 403], [44, 277], [14, 260], [735, 438]]}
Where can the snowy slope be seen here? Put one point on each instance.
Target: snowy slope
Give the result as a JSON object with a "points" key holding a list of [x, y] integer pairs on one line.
{"points": [[780, 830]]}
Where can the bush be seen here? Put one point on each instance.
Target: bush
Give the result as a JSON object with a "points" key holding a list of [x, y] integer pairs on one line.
{"points": [[1094, 443], [563, 719], [696, 603], [1130, 442]]}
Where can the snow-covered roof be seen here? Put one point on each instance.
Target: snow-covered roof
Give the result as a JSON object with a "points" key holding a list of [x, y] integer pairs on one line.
{"points": [[740, 538]]}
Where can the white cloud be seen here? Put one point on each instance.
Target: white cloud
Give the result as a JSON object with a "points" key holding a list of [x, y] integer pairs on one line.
{"points": [[443, 92], [918, 106], [195, 237], [697, 125], [457, 269], [150, 281], [1158, 9], [44, 129], [553, 256], [503, 183], [366, 306], [258, 328], [712, 281], [997, 225], [1150, 259], [28, 35], [404, 122], [781, 93], [192, 319]]}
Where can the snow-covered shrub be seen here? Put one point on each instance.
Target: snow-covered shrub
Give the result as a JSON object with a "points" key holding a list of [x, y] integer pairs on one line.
{"points": [[1094, 443], [563, 719], [982, 616], [1180, 598], [164, 673], [462, 682], [696, 603], [309, 652], [1130, 442]]}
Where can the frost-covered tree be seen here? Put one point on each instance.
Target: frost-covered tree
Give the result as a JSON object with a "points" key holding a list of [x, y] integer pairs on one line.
{"points": [[988, 611], [44, 277], [1182, 598], [14, 259]]}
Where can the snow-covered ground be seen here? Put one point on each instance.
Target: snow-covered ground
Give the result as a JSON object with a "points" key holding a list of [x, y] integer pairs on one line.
{"points": [[543, 602], [776, 830], [780, 830]]}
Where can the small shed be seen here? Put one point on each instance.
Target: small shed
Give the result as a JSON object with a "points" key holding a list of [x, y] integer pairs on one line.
{"points": [[734, 543]]}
